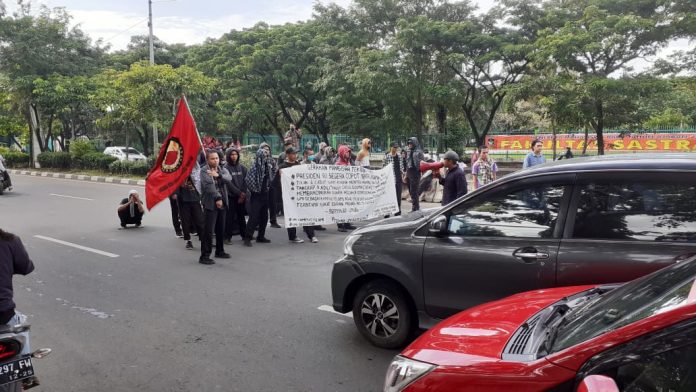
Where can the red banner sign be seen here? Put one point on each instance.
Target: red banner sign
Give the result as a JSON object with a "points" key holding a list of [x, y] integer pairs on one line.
{"points": [[641, 142]]}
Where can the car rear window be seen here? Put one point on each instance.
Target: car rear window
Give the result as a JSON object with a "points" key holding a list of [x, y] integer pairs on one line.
{"points": [[639, 211]]}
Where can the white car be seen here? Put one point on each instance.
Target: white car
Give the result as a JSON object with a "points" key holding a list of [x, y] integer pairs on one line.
{"points": [[120, 153]]}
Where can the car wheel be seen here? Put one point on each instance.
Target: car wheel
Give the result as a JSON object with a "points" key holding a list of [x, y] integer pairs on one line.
{"points": [[382, 314]]}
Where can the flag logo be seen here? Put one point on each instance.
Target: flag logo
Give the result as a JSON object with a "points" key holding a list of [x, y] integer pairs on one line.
{"points": [[173, 157]]}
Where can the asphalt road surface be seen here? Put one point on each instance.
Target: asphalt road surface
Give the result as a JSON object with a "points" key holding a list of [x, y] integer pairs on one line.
{"points": [[133, 310]]}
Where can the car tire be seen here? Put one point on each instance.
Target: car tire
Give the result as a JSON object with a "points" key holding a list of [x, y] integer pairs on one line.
{"points": [[382, 314]]}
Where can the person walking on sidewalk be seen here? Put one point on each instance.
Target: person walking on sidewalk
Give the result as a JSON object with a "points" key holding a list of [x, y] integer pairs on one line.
{"points": [[258, 181], [484, 170], [413, 159], [214, 182], [290, 161], [237, 193], [189, 201]]}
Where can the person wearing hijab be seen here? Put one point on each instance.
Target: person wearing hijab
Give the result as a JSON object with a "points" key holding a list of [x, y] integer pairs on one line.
{"points": [[258, 182]]}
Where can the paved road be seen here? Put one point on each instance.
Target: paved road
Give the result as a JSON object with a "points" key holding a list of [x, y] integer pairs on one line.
{"points": [[154, 319]]}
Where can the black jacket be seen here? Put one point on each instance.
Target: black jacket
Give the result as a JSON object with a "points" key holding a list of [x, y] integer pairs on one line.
{"points": [[454, 185], [13, 260], [238, 173]]}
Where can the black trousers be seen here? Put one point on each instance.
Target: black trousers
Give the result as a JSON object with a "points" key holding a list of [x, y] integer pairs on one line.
{"points": [[7, 178], [258, 215], [292, 232], [214, 220], [414, 178], [125, 217], [236, 220], [273, 204], [399, 186], [191, 217], [175, 215]]}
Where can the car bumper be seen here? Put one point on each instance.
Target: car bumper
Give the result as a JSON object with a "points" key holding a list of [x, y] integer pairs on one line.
{"points": [[345, 271]]}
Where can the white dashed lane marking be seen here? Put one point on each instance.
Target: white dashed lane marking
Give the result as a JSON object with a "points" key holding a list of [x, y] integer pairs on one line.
{"points": [[77, 246]]}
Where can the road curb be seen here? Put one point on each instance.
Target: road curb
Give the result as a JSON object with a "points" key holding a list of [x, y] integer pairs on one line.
{"points": [[79, 177]]}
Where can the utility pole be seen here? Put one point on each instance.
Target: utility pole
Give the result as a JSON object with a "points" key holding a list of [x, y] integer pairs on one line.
{"points": [[152, 62]]}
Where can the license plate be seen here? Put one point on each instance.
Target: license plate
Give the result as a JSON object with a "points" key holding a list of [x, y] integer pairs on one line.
{"points": [[16, 370]]}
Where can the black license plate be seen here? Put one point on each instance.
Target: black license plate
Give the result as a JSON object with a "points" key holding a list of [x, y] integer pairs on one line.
{"points": [[16, 370]]}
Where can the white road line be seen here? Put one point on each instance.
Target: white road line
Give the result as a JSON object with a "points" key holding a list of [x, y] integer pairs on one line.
{"points": [[327, 308], [70, 197], [66, 243]]}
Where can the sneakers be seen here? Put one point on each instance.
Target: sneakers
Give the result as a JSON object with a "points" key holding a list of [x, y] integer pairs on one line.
{"points": [[297, 241], [228, 241], [247, 242], [222, 255], [342, 229], [275, 225], [123, 225], [314, 240], [206, 260], [263, 240], [189, 245], [179, 234]]}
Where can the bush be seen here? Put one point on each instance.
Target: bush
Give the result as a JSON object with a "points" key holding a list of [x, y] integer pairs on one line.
{"points": [[16, 159], [80, 148], [93, 161], [55, 160], [125, 168]]}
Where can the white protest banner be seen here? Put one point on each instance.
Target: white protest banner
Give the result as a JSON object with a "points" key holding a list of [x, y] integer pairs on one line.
{"points": [[324, 194]]}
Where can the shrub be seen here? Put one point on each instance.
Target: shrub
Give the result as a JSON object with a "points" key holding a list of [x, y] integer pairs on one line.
{"points": [[129, 168], [55, 160], [79, 148], [93, 161], [16, 159]]}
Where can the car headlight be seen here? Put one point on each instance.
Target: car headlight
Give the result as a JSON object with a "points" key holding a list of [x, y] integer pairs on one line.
{"points": [[403, 372], [348, 244]]}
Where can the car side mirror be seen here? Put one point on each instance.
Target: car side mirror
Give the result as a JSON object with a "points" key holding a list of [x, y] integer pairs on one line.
{"points": [[438, 226], [597, 383]]}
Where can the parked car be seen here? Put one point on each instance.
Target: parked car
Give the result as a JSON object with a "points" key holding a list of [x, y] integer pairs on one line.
{"points": [[120, 153], [640, 336], [580, 221]]}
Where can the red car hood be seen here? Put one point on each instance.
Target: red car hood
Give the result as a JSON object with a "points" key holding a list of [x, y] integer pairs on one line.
{"points": [[480, 334]]}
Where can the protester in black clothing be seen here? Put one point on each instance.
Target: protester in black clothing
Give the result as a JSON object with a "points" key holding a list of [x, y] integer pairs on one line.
{"points": [[290, 161], [454, 183], [394, 158], [414, 156], [189, 201], [13, 260], [131, 210], [214, 182], [273, 194], [176, 219], [258, 181], [567, 155], [237, 194]]}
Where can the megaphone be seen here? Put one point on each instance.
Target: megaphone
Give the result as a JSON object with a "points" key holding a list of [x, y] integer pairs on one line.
{"points": [[434, 166]]}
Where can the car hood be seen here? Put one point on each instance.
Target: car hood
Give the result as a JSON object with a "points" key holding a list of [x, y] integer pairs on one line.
{"points": [[480, 334], [410, 219]]}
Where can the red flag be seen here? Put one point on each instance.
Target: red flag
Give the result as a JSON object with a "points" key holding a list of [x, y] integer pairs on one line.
{"points": [[176, 159]]}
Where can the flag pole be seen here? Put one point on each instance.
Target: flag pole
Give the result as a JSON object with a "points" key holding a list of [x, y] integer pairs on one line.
{"points": [[200, 141]]}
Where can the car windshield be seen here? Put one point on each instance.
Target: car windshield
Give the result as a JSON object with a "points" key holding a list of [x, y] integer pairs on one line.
{"points": [[659, 292], [130, 151]]}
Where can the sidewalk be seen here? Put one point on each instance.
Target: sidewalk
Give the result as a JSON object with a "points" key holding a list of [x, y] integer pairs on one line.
{"points": [[78, 177]]}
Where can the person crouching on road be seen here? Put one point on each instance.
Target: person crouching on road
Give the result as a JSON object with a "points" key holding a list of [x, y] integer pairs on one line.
{"points": [[214, 182], [236, 214], [258, 181], [454, 183], [189, 202], [131, 210], [290, 161]]}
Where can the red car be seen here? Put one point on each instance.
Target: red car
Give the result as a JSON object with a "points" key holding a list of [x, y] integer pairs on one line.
{"points": [[640, 336]]}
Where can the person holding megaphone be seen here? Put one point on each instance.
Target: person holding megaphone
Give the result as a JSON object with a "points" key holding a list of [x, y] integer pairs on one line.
{"points": [[454, 183]]}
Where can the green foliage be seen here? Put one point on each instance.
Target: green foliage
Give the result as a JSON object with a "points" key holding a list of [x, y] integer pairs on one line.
{"points": [[55, 160], [125, 168], [669, 118], [93, 161], [80, 148], [16, 159]]}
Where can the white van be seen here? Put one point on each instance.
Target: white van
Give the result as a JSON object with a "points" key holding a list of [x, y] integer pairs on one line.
{"points": [[120, 153]]}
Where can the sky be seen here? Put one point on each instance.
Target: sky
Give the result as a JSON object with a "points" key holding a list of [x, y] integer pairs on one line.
{"points": [[192, 21]]}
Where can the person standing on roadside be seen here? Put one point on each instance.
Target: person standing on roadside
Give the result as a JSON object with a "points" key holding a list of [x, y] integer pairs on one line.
{"points": [[274, 197], [329, 156], [214, 182], [295, 135], [414, 156], [344, 159], [258, 181], [189, 201], [393, 157], [176, 218], [131, 210], [237, 194], [484, 170], [535, 157], [290, 161], [454, 183], [363, 158]]}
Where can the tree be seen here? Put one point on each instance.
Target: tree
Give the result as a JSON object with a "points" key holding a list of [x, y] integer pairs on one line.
{"points": [[138, 49]]}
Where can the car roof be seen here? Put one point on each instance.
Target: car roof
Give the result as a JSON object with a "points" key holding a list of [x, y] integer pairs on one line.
{"points": [[618, 162]]}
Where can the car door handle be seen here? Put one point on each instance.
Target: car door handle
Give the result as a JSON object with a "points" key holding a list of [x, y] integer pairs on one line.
{"points": [[530, 254]]}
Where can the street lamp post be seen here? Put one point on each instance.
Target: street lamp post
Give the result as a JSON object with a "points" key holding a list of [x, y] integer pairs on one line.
{"points": [[152, 62]]}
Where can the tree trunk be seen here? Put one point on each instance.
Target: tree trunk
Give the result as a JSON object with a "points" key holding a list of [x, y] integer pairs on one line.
{"points": [[553, 137], [442, 125], [599, 107], [584, 146]]}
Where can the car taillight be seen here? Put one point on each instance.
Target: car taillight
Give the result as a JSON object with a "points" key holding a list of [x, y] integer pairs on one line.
{"points": [[9, 348]]}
